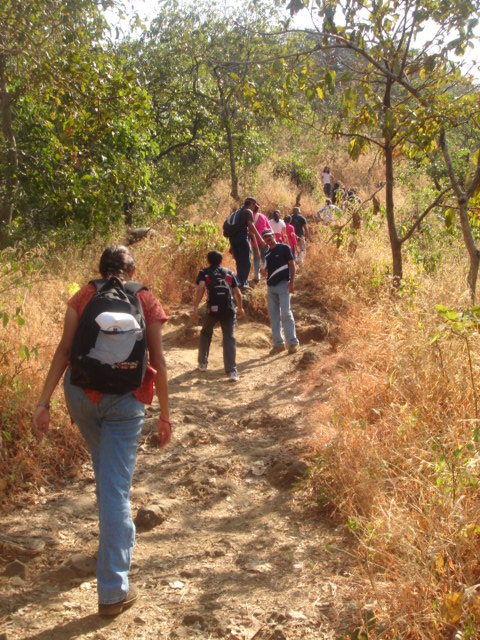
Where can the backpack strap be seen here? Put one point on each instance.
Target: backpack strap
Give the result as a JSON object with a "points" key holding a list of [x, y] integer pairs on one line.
{"points": [[98, 283], [134, 287]]}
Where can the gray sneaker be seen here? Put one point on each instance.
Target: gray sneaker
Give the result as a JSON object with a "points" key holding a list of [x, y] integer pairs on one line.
{"points": [[292, 348], [202, 366], [233, 376]]}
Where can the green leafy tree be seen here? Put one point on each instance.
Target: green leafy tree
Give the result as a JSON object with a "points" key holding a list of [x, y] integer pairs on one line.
{"points": [[389, 90], [75, 143], [213, 93], [465, 183]]}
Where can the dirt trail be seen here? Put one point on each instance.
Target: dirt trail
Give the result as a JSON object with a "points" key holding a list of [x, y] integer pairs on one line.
{"points": [[234, 554]]}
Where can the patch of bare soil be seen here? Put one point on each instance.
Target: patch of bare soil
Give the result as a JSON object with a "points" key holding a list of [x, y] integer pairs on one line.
{"points": [[225, 547]]}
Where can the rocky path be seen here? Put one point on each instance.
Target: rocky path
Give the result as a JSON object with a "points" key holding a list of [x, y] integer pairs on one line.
{"points": [[226, 547]]}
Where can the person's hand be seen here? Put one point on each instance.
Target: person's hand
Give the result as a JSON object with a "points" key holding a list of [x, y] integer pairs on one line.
{"points": [[290, 287], [164, 431], [41, 421], [196, 317], [240, 312]]}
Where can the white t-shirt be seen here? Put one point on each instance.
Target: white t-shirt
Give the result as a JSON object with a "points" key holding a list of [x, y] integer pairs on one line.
{"points": [[278, 227], [326, 178], [329, 213]]}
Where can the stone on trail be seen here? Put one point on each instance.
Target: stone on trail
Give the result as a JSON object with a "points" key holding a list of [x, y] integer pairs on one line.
{"points": [[83, 565], [151, 516], [16, 568], [283, 474], [22, 546]]}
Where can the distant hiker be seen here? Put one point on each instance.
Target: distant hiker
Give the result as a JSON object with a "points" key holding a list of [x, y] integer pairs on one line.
{"points": [[222, 294], [301, 229], [329, 213], [261, 223], [280, 272], [237, 228], [109, 420], [278, 227], [291, 235], [336, 193], [327, 181]]}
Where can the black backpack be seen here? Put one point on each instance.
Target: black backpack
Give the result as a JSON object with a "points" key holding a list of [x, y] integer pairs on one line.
{"points": [[109, 351], [232, 225], [220, 301]]}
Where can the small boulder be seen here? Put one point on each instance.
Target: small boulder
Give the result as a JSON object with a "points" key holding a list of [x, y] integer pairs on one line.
{"points": [[150, 517], [283, 474], [83, 565], [16, 568]]}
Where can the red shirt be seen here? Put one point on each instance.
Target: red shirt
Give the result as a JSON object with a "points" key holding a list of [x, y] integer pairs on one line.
{"points": [[153, 312]]}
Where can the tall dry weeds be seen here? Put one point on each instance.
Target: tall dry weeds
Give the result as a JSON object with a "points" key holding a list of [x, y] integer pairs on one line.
{"points": [[402, 469]]}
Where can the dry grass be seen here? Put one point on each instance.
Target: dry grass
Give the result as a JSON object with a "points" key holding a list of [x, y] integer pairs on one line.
{"points": [[402, 471]]}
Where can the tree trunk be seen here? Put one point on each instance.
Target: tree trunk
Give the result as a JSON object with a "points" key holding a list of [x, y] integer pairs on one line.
{"points": [[473, 252], [395, 243], [233, 167], [228, 130], [10, 175]]}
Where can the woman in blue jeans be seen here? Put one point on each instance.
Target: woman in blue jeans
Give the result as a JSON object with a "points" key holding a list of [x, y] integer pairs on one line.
{"points": [[111, 425]]}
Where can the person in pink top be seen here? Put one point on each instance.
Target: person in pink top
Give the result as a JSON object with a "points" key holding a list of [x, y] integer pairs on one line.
{"points": [[261, 223], [291, 235]]}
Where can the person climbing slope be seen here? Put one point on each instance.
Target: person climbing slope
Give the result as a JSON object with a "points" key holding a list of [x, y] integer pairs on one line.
{"points": [[109, 326]]}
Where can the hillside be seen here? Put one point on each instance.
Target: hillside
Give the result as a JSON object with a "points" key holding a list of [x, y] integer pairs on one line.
{"points": [[237, 552]]}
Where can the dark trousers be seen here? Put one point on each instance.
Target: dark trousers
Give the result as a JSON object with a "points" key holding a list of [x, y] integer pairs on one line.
{"points": [[241, 252], [229, 343]]}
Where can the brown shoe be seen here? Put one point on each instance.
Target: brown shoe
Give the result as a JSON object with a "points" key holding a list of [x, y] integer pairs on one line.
{"points": [[106, 610], [277, 348]]}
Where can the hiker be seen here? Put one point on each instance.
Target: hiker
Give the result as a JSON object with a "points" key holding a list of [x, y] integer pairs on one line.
{"points": [[327, 181], [301, 230], [111, 422], [337, 193], [237, 228], [222, 294], [280, 272], [261, 223], [329, 213], [291, 235], [278, 227]]}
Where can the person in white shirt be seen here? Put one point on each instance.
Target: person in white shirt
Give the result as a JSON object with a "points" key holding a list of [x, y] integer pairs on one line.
{"points": [[329, 214], [327, 181], [278, 227]]}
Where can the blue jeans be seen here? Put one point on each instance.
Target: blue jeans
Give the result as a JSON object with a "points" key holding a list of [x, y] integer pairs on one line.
{"points": [[241, 252], [257, 261], [229, 343], [111, 428], [278, 301]]}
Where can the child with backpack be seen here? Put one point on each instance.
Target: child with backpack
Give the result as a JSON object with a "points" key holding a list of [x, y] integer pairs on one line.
{"points": [[111, 349], [224, 304]]}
